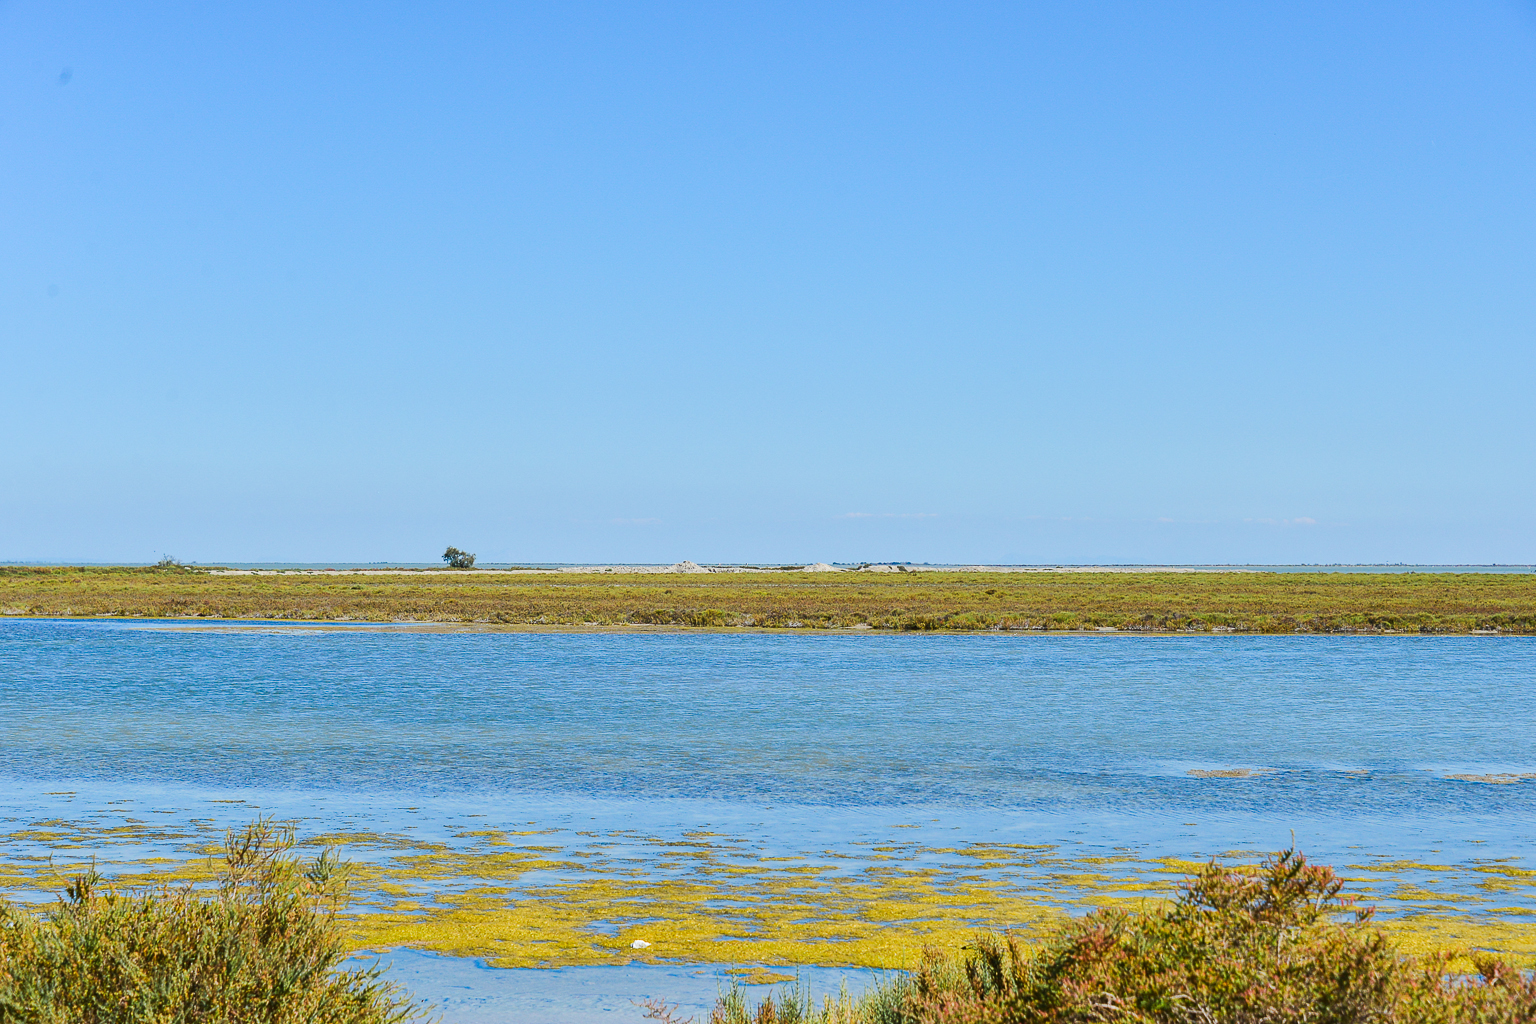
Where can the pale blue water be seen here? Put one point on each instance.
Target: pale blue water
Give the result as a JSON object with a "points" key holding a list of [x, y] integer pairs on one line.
{"points": [[1047, 723], [805, 741], [467, 993]]}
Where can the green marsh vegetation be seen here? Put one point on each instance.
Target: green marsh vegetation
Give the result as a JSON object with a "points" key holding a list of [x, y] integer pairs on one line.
{"points": [[1276, 942], [264, 943], [927, 601]]}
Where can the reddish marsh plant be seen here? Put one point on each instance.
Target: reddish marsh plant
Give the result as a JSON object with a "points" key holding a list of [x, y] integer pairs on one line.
{"points": [[1278, 942]]}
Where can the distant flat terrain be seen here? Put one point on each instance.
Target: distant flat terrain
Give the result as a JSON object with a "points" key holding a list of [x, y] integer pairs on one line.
{"points": [[1148, 601]]}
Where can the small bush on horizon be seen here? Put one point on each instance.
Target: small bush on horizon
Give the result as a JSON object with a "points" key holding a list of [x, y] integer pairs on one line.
{"points": [[457, 559], [265, 946]]}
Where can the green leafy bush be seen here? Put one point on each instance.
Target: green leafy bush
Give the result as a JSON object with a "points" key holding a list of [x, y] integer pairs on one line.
{"points": [[265, 946], [457, 559]]}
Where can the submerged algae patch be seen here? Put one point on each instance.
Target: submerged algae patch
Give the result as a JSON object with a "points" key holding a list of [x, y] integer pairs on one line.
{"points": [[874, 913], [550, 897], [881, 916]]}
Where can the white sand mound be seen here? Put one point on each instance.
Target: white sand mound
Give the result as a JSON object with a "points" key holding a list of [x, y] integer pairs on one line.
{"points": [[821, 567], [686, 566]]}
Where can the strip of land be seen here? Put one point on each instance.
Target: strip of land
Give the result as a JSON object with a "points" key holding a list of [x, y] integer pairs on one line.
{"points": [[1147, 602]]}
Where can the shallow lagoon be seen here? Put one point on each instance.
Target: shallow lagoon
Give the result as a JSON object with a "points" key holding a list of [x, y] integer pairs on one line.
{"points": [[1067, 768]]}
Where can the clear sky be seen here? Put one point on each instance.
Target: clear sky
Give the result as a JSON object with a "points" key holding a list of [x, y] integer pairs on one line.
{"points": [[1011, 282]]}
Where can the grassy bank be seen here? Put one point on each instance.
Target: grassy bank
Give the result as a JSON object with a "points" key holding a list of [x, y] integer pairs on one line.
{"points": [[1144, 602]]}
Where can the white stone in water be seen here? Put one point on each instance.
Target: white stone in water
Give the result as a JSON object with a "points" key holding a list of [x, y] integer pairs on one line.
{"points": [[639, 944]]}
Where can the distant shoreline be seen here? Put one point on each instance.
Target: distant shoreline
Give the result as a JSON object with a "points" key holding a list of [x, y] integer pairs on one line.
{"points": [[617, 568], [203, 625], [690, 568], [888, 600]]}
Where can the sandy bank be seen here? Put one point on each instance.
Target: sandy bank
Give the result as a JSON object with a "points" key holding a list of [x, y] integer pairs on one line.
{"points": [[687, 567]]}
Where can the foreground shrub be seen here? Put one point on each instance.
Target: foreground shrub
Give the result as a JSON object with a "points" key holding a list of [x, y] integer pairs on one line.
{"points": [[264, 947], [1239, 946]]}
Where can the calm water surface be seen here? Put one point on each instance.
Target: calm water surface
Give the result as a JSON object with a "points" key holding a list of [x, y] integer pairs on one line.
{"points": [[1060, 723], [805, 741]]}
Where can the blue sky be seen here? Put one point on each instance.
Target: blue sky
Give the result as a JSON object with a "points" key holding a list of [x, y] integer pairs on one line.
{"points": [[1193, 282]]}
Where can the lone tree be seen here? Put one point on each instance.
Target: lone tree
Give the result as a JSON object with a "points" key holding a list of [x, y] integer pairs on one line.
{"points": [[457, 559]]}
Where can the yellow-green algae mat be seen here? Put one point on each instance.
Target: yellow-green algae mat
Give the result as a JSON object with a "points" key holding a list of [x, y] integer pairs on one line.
{"points": [[519, 899]]}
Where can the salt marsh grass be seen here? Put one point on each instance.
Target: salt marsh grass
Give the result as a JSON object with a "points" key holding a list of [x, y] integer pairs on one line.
{"points": [[1241, 602]]}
